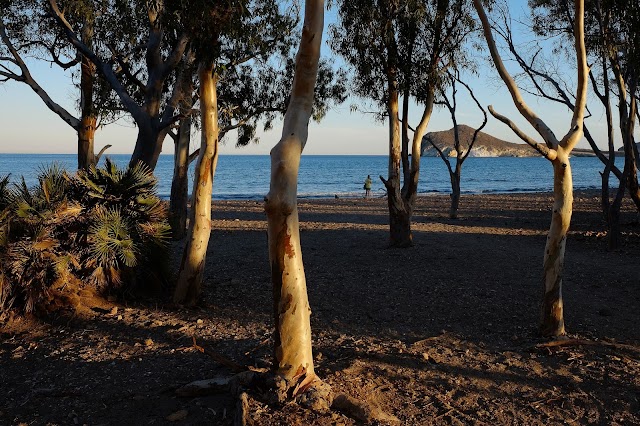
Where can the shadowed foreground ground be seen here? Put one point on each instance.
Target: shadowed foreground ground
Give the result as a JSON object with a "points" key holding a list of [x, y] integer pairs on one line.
{"points": [[442, 333]]}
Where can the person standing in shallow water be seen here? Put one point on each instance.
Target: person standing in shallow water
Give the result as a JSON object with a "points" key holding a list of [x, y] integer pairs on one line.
{"points": [[367, 186]]}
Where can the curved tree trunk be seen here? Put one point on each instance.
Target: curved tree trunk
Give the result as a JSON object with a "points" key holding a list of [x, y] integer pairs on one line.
{"points": [[293, 364], [189, 283], [552, 315], [180, 182]]}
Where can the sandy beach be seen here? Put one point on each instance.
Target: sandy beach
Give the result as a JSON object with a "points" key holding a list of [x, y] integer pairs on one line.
{"points": [[440, 333]]}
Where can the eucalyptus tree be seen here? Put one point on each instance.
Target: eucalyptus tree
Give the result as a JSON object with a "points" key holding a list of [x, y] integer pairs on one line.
{"points": [[401, 49], [462, 152], [548, 83], [612, 42], [294, 369], [557, 151], [25, 32], [147, 31], [240, 35], [254, 94]]}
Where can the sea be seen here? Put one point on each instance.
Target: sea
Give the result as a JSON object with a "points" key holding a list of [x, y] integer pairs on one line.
{"points": [[241, 177]]}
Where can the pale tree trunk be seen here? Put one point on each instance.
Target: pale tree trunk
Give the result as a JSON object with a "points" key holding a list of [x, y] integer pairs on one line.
{"points": [[556, 151], [401, 200], [191, 272], [180, 182], [294, 369], [552, 312], [410, 187]]}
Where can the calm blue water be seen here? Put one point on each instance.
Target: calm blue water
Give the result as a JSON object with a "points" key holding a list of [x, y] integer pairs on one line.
{"points": [[247, 176]]}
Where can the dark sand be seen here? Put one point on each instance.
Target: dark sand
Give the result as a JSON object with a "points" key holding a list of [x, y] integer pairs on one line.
{"points": [[441, 333]]}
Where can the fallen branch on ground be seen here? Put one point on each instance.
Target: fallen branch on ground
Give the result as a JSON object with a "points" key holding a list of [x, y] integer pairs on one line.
{"points": [[233, 366]]}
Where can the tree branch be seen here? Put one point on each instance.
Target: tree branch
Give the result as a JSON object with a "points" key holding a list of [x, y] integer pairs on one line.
{"points": [[548, 153], [126, 69], [444, 157], [108, 73], [31, 82], [484, 122], [538, 124]]}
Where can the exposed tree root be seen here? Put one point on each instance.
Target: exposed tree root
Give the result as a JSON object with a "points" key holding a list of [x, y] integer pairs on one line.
{"points": [[274, 390]]}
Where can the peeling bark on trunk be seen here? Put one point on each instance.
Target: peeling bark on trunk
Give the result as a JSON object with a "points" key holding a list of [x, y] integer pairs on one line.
{"points": [[293, 364], [191, 272], [86, 137], [552, 316], [180, 182]]}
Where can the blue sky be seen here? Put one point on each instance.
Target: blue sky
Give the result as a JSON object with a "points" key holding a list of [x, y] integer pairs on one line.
{"points": [[29, 127]]}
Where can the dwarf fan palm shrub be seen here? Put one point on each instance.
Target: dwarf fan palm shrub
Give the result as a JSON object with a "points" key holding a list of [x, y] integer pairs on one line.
{"points": [[105, 226], [128, 230], [36, 249]]}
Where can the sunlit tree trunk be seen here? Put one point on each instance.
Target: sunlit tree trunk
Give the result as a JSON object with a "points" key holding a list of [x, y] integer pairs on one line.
{"points": [[552, 312], [557, 152], [293, 357], [86, 137], [191, 272]]}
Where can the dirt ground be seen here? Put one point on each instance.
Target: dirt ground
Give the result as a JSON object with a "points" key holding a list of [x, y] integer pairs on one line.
{"points": [[441, 333]]}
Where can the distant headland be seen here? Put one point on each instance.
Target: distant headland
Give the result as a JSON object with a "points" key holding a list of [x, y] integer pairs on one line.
{"points": [[485, 146]]}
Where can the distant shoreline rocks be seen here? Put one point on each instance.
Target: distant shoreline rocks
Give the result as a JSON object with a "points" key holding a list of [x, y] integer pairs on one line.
{"points": [[485, 146]]}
